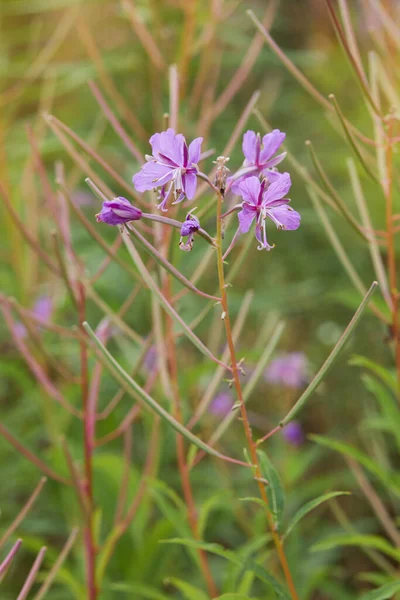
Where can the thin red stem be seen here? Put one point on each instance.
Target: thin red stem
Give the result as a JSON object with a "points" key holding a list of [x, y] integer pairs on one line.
{"points": [[89, 412]]}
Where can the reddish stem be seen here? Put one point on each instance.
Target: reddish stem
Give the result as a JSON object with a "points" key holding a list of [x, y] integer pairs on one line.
{"points": [[89, 420]]}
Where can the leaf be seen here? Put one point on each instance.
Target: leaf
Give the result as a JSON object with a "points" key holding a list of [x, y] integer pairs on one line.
{"points": [[149, 281], [219, 500], [139, 590], [385, 375], [385, 592], [331, 358], [387, 403], [137, 392], [235, 597], [365, 541], [254, 499], [248, 564], [304, 510], [386, 478], [189, 591], [274, 489], [168, 266]]}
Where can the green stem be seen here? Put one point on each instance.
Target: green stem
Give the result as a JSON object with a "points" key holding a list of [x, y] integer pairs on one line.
{"points": [[247, 429]]}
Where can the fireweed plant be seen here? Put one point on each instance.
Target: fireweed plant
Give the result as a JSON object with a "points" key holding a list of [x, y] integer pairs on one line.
{"points": [[193, 209]]}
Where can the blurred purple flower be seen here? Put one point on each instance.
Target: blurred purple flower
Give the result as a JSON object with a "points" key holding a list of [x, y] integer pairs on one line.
{"points": [[42, 309], [259, 158], [172, 167], [261, 200], [189, 227], [118, 211], [221, 405], [293, 433], [289, 370], [150, 359]]}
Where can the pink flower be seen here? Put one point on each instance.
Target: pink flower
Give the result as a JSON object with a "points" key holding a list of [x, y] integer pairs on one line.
{"points": [[289, 370], [293, 433], [172, 167], [259, 158], [221, 405], [262, 200]]}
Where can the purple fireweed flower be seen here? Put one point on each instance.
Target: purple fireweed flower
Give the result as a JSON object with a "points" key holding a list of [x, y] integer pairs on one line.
{"points": [[293, 433], [259, 158], [42, 309], [172, 167], [221, 405], [150, 359], [262, 200], [189, 227], [118, 211], [289, 370]]}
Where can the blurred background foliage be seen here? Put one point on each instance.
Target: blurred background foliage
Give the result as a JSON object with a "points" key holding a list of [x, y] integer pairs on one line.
{"points": [[49, 50]]}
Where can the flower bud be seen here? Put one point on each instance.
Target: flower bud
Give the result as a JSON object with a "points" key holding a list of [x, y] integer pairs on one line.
{"points": [[189, 227], [118, 211]]}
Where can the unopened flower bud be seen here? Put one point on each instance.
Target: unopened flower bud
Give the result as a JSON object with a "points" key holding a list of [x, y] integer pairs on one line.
{"points": [[118, 211], [189, 227]]}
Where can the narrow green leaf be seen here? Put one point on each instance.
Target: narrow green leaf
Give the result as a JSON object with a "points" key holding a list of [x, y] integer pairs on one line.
{"points": [[309, 506], [274, 489], [164, 302], [331, 358], [364, 541], [385, 592], [234, 596], [340, 203], [138, 393], [385, 375], [248, 564], [189, 591], [389, 410], [255, 500], [388, 479], [167, 265], [350, 139]]}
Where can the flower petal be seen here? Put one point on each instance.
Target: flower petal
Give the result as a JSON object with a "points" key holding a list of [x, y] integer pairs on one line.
{"points": [[189, 185], [271, 143], [278, 189], [246, 217], [276, 160], [249, 146], [149, 174], [271, 175], [249, 189], [194, 151], [169, 144], [284, 217]]}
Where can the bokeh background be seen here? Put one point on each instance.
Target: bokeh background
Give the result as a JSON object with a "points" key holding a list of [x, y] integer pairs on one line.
{"points": [[49, 50]]}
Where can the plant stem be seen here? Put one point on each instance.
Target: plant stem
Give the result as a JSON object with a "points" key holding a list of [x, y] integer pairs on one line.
{"points": [[88, 420], [391, 256], [247, 429], [180, 450]]}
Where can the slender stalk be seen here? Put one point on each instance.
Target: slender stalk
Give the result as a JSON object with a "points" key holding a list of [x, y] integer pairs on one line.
{"points": [[22, 514], [180, 449], [32, 574], [89, 438], [57, 565], [391, 253], [247, 429]]}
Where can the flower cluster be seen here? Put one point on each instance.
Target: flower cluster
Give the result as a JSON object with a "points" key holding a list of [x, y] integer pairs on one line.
{"points": [[173, 170]]}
